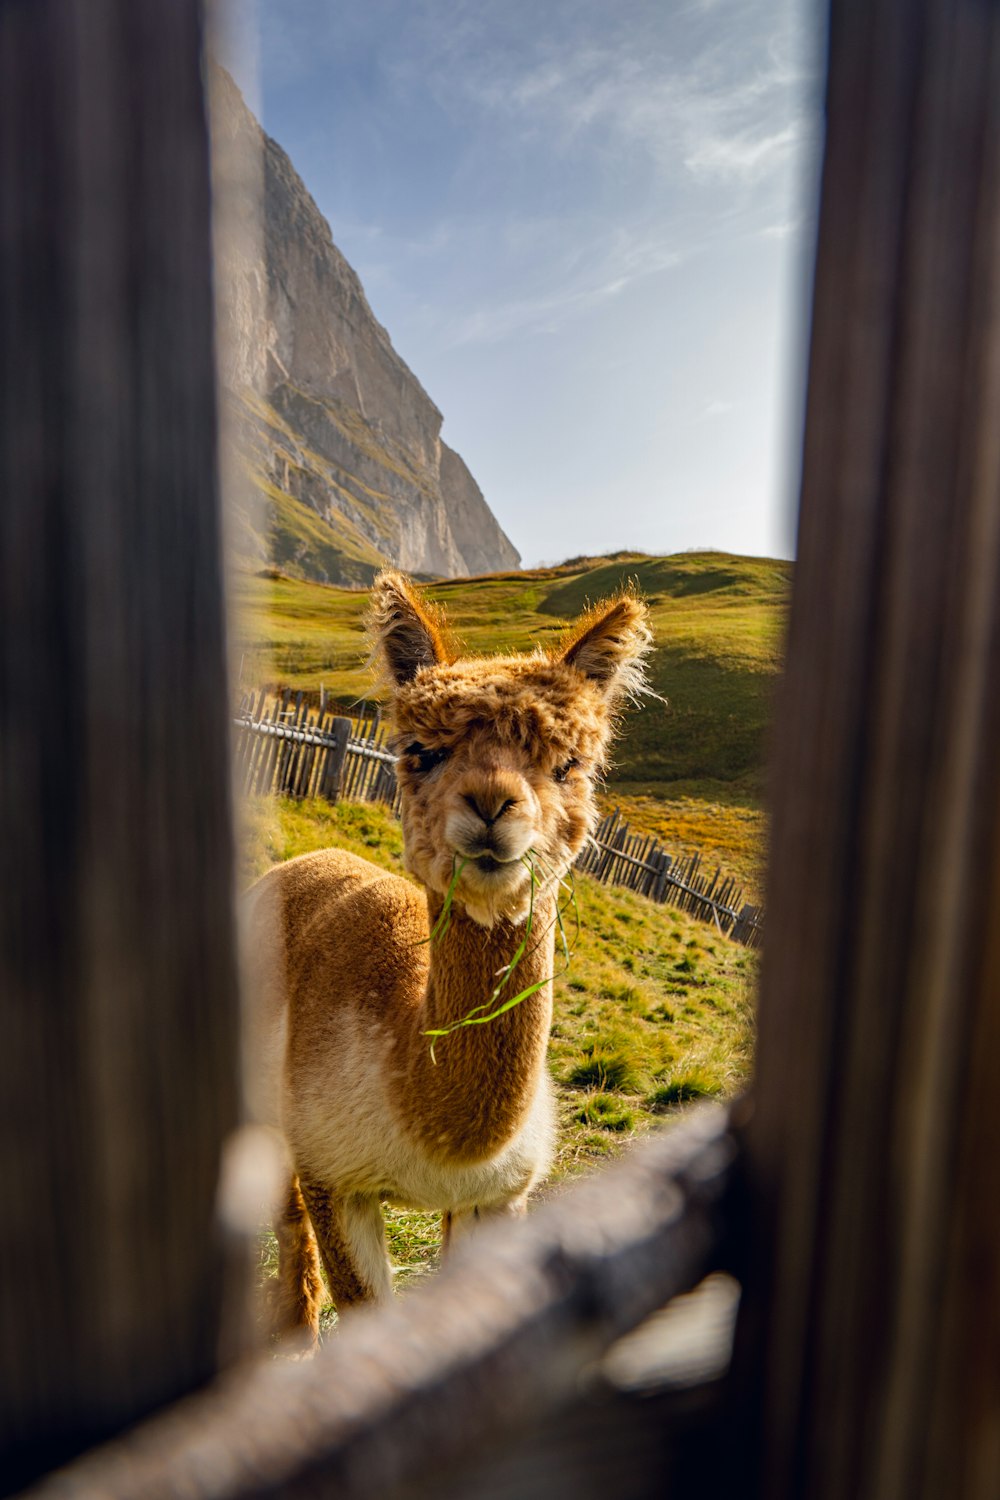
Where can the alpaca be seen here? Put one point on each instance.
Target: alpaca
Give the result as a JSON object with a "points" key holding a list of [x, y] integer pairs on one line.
{"points": [[496, 763]]}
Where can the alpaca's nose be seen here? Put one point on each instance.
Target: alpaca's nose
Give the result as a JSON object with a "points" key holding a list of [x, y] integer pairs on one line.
{"points": [[490, 808]]}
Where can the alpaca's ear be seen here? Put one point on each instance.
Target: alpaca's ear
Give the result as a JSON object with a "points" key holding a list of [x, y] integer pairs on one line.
{"points": [[405, 632], [610, 646]]}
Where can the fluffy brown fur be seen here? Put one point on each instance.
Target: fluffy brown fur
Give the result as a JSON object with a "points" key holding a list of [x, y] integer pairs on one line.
{"points": [[497, 761]]}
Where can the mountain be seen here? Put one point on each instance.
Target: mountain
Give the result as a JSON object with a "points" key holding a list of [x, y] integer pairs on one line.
{"points": [[339, 442]]}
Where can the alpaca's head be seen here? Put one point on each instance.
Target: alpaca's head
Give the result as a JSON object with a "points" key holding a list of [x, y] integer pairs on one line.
{"points": [[498, 755]]}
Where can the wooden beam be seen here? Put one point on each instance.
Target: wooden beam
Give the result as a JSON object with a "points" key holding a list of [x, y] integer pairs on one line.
{"points": [[408, 1399], [873, 1303], [118, 1062]]}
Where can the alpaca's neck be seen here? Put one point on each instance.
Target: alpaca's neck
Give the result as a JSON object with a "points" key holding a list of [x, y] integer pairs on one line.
{"points": [[466, 964], [473, 1096]]}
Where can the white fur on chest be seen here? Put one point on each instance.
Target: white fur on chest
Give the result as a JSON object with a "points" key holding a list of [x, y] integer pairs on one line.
{"points": [[344, 1129]]}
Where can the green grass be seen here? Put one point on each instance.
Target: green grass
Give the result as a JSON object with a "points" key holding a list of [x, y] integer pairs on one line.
{"points": [[277, 828], [655, 1010], [299, 634], [606, 1112]]}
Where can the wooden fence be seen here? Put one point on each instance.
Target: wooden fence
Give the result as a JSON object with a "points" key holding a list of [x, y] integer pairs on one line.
{"points": [[286, 747], [283, 746], [617, 856]]}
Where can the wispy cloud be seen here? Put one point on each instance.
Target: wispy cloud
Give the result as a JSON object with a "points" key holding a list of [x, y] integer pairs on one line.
{"points": [[579, 290], [693, 96], [747, 155], [781, 230], [709, 117]]}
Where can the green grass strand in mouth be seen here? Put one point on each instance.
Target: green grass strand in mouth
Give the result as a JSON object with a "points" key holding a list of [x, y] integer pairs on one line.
{"points": [[443, 922], [475, 1016]]}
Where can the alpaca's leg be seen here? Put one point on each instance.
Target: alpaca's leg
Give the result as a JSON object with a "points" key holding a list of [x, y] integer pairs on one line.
{"points": [[458, 1225], [297, 1294], [351, 1235]]}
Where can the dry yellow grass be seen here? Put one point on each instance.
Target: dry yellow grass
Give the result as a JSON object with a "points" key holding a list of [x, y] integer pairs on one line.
{"points": [[731, 835]]}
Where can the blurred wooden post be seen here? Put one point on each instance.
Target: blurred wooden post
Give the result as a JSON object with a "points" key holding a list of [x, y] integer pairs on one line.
{"points": [[117, 1069], [333, 769], [872, 1328]]}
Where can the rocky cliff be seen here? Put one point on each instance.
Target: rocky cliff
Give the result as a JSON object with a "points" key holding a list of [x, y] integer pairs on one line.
{"points": [[335, 433]]}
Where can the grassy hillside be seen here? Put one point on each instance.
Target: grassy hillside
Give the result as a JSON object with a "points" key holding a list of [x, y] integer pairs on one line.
{"points": [[655, 1009], [718, 622]]}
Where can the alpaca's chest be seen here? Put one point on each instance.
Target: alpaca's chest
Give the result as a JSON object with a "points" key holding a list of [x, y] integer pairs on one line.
{"points": [[421, 1180], [350, 1132]]}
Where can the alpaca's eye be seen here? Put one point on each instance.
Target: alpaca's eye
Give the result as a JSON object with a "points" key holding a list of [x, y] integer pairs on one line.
{"points": [[561, 772], [426, 759]]}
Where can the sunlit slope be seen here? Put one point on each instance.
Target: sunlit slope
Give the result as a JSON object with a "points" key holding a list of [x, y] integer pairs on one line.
{"points": [[718, 622]]}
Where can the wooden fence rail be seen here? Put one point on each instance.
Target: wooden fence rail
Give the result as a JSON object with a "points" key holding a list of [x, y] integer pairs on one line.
{"points": [[463, 1387], [284, 746]]}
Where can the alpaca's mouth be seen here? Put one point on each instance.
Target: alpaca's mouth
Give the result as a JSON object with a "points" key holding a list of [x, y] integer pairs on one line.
{"points": [[488, 864]]}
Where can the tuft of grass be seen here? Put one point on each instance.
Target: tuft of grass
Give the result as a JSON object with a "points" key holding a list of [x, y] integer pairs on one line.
{"points": [[414, 1240], [606, 1113], [606, 1067], [682, 1089]]}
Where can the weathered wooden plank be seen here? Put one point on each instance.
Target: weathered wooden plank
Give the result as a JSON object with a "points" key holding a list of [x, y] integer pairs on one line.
{"points": [[304, 755], [334, 765], [257, 748], [352, 768], [874, 1204], [275, 773], [118, 1065], [318, 757], [479, 1355], [659, 890], [307, 764], [298, 747], [269, 749], [288, 749], [361, 769], [298, 750], [374, 767], [244, 744]]}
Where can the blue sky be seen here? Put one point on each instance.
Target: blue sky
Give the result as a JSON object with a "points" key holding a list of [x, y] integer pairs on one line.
{"points": [[587, 226]]}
